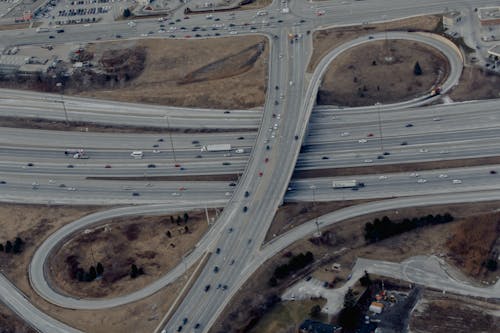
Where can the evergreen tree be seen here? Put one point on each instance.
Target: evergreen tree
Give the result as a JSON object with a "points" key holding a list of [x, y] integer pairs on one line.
{"points": [[126, 12], [169, 234], [92, 273], [315, 311], [99, 269], [186, 217], [186, 229], [134, 272], [349, 299], [8, 247], [417, 70], [1, 247]]}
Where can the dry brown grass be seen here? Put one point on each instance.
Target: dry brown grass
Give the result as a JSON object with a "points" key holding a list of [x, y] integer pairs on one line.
{"points": [[326, 40], [471, 242], [476, 83], [170, 62], [34, 223], [438, 313], [10, 322], [360, 77], [119, 243]]}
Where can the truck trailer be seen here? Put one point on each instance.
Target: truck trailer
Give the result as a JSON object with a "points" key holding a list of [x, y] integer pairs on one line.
{"points": [[217, 147], [339, 184]]}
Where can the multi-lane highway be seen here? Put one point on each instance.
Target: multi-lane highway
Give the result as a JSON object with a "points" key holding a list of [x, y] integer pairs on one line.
{"points": [[334, 138]]}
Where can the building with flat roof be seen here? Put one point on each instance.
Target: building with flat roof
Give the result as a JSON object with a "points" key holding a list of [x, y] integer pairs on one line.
{"points": [[489, 15]]}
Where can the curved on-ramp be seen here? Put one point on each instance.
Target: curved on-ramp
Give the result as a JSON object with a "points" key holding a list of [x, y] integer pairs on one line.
{"points": [[37, 272]]}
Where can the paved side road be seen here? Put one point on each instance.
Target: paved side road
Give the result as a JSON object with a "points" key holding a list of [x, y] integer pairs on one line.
{"points": [[18, 302], [429, 271]]}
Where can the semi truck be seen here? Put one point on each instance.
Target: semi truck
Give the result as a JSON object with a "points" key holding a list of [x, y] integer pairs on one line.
{"points": [[217, 147], [339, 184]]}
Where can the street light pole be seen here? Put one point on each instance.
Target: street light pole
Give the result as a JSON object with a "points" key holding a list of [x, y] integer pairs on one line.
{"points": [[60, 85], [170, 136], [380, 128]]}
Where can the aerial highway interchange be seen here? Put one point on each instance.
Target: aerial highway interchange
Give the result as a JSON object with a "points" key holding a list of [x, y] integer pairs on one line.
{"points": [[294, 135]]}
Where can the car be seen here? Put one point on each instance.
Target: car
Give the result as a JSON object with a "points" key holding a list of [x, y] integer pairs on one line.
{"points": [[368, 161], [382, 177], [261, 173], [226, 163], [216, 269], [370, 37], [493, 172], [207, 287], [70, 166], [386, 153], [118, 36], [296, 137], [227, 194], [62, 185], [197, 325], [362, 141], [369, 135], [107, 166], [30, 164], [324, 157], [424, 150], [179, 328], [409, 125], [160, 140], [268, 147], [175, 194], [233, 32], [71, 189], [247, 194], [184, 321], [245, 209], [224, 287], [177, 165], [380, 157], [345, 134], [436, 118], [3, 182], [232, 184], [232, 262], [266, 160], [156, 145], [156, 151], [414, 174], [135, 194], [443, 175], [457, 181], [60, 31], [241, 138], [422, 181], [151, 165], [199, 156], [404, 143], [52, 37], [227, 112]]}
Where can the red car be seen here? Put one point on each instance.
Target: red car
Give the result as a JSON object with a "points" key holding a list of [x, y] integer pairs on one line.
{"points": [[370, 134], [266, 160], [177, 165], [260, 174]]}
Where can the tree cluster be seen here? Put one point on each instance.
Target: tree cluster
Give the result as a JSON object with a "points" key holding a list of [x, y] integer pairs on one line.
{"points": [[78, 273], [385, 228], [179, 219], [294, 264], [136, 271], [15, 247], [350, 313]]}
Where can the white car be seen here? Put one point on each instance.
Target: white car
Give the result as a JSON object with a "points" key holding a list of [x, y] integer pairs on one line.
{"points": [[71, 189], [362, 141], [345, 134], [443, 175], [156, 151], [175, 194], [421, 181], [368, 161], [227, 194], [233, 33], [382, 177], [414, 174], [457, 181], [424, 150], [239, 151]]}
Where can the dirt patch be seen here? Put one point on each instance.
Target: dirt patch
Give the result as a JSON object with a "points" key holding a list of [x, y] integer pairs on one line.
{"points": [[403, 167], [11, 323], [469, 245], [14, 26], [181, 73], [359, 77], [34, 223], [154, 244], [78, 126], [476, 83], [347, 244], [293, 214], [437, 313], [326, 40], [255, 4]]}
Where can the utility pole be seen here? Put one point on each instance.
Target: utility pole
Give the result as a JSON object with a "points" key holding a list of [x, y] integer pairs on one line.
{"points": [[171, 140]]}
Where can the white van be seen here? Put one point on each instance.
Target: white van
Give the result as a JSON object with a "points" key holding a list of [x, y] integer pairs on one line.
{"points": [[137, 154]]}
